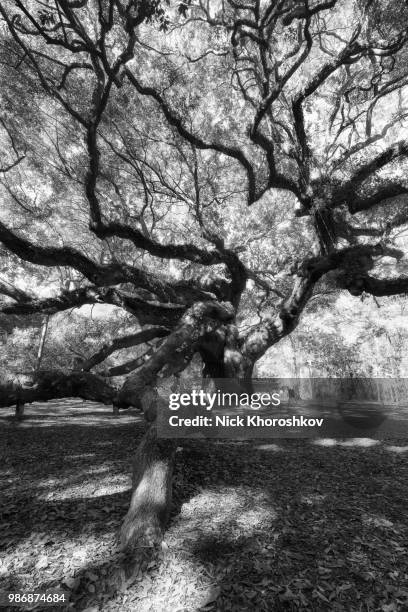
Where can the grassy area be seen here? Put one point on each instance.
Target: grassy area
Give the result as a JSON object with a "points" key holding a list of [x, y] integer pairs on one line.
{"points": [[297, 525]]}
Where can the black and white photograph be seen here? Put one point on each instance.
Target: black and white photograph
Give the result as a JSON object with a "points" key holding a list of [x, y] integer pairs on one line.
{"points": [[203, 305]]}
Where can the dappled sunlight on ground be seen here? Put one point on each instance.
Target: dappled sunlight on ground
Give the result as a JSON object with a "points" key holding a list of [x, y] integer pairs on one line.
{"points": [[42, 558], [274, 448], [356, 442], [377, 521], [313, 499], [68, 412], [211, 523], [256, 525], [396, 449], [231, 509], [359, 442], [96, 487]]}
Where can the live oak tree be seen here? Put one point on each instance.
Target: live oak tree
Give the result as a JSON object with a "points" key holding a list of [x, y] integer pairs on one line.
{"points": [[207, 167]]}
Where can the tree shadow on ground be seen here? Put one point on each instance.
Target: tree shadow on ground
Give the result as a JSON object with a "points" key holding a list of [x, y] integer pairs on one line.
{"points": [[57, 480], [337, 535], [43, 470], [279, 526]]}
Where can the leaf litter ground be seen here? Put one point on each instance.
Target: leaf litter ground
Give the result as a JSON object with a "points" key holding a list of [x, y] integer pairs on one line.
{"points": [[288, 525]]}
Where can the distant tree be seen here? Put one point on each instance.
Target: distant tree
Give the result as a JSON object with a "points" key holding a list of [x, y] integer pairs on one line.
{"points": [[135, 136]]}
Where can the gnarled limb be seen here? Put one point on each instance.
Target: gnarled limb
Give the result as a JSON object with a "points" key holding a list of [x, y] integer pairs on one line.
{"points": [[146, 311], [379, 286], [177, 349], [354, 261], [125, 342], [175, 120], [53, 384], [15, 293], [99, 274]]}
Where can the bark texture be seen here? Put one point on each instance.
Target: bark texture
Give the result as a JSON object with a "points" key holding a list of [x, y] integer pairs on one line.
{"points": [[152, 488], [54, 384], [19, 411]]}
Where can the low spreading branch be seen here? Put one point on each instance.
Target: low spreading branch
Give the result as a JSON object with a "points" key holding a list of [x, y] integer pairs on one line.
{"points": [[57, 384]]}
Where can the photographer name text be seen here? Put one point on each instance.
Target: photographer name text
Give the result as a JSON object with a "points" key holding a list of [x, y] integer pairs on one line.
{"points": [[243, 421]]}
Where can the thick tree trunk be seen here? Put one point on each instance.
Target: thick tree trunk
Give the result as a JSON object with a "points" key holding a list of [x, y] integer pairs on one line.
{"points": [[152, 488], [19, 411], [153, 465], [224, 361]]}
